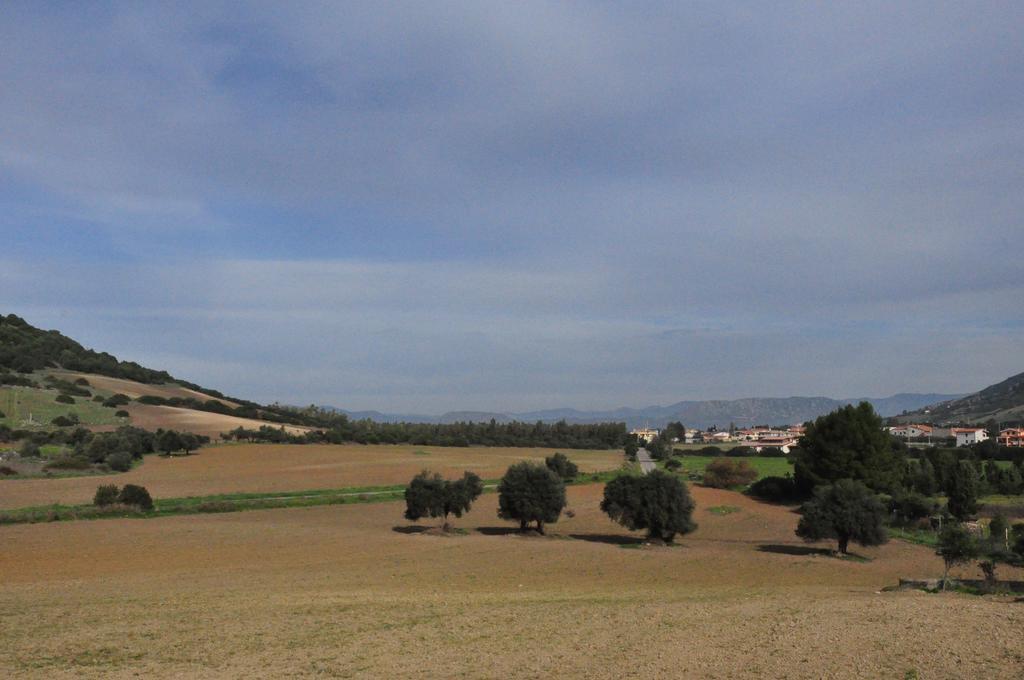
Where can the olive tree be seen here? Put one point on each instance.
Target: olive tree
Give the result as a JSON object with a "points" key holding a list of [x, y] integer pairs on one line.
{"points": [[530, 492], [430, 495], [658, 502], [846, 511]]}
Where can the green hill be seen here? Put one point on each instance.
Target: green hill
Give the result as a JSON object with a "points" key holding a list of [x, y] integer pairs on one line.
{"points": [[1002, 402], [25, 348]]}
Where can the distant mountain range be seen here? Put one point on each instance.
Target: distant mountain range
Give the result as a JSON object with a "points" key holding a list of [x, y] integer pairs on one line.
{"points": [[1002, 402], [702, 414]]}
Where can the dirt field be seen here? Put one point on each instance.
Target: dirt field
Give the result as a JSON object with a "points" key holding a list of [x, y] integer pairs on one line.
{"points": [[134, 389], [349, 591], [269, 467], [212, 425]]}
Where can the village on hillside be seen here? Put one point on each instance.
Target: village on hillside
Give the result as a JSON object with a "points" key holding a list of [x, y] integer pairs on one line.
{"points": [[757, 438], [787, 438]]}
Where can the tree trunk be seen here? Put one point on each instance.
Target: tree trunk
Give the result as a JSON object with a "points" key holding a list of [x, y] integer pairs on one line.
{"points": [[844, 543], [522, 525], [540, 527]]}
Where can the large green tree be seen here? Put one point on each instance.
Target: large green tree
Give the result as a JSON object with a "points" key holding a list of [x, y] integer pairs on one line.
{"points": [[849, 443], [658, 502], [962, 490], [846, 511], [431, 495], [956, 547], [530, 492]]}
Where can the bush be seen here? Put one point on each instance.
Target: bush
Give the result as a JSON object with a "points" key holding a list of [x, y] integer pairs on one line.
{"points": [[29, 449], [723, 473], [122, 414], [69, 420], [775, 489], [64, 399], [2, 414], [738, 451], [107, 494], [68, 463], [562, 466], [772, 452], [7, 470], [673, 464], [912, 506], [82, 381], [98, 398], [121, 461], [133, 494], [116, 400]]}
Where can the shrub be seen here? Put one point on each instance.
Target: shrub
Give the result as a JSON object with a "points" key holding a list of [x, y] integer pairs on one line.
{"points": [[7, 470], [107, 494], [82, 381], [64, 399], [658, 502], [723, 473], [772, 452], [912, 506], [69, 420], [122, 414], [98, 398], [116, 400], [68, 463], [2, 414], [133, 494], [562, 466], [120, 461], [673, 464], [775, 489], [738, 451], [29, 449]]}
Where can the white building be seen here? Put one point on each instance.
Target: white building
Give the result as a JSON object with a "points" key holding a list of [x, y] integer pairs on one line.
{"points": [[911, 431], [644, 433], [965, 436]]}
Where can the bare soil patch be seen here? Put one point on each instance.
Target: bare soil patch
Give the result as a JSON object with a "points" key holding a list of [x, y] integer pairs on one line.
{"points": [[335, 591]]}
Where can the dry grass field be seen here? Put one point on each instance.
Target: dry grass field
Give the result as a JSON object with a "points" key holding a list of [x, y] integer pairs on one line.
{"points": [[135, 389], [272, 467], [150, 417], [352, 591]]}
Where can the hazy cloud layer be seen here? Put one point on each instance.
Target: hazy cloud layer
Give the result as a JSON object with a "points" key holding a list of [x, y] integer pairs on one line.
{"points": [[521, 205]]}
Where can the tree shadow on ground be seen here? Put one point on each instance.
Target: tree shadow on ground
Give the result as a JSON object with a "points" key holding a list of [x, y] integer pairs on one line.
{"points": [[805, 551], [504, 531], [410, 529], [610, 539]]}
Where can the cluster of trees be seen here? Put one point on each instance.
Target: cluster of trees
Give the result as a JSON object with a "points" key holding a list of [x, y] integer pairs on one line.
{"points": [[24, 348], [1003, 545], [132, 495], [550, 435], [115, 450], [534, 495]]}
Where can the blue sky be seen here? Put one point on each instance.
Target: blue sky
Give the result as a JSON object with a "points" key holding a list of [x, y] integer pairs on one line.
{"points": [[509, 206]]}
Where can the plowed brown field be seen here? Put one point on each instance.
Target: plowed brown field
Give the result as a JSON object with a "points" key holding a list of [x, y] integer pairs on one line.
{"points": [[349, 591], [270, 467]]}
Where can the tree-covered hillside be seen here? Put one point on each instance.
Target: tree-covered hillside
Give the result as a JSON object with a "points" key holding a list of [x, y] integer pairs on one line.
{"points": [[25, 348]]}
